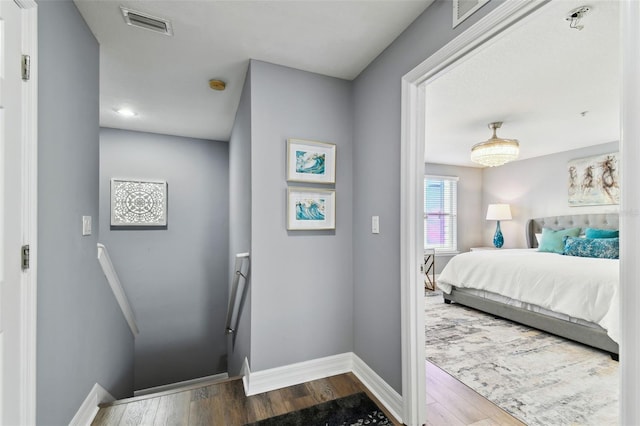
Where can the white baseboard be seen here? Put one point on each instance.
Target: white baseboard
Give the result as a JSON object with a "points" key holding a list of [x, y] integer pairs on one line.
{"points": [[171, 386], [89, 408], [294, 374], [387, 396], [245, 372]]}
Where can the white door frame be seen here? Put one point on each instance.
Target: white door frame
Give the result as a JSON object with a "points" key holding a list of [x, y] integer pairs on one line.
{"points": [[28, 304], [412, 193]]}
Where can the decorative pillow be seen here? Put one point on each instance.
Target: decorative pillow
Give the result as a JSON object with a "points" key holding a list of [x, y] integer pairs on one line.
{"points": [[601, 233], [539, 238], [552, 240], [604, 248]]}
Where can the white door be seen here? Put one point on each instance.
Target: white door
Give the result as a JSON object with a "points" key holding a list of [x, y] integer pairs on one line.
{"points": [[11, 204]]}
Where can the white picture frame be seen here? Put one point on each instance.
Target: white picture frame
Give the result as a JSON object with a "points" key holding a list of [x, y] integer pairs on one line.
{"points": [[311, 209], [311, 161]]}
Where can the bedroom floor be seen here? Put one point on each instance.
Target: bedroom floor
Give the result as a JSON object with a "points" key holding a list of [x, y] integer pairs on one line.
{"points": [[539, 378], [451, 403]]}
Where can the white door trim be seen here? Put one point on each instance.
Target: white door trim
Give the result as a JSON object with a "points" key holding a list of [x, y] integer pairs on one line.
{"points": [[28, 322], [629, 214]]}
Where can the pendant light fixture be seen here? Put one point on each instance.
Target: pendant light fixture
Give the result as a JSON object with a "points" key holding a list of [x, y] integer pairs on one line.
{"points": [[496, 151]]}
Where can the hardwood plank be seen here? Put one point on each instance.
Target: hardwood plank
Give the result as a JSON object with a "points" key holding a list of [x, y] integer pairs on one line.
{"points": [[173, 409], [322, 390], [235, 403], [150, 413], [259, 407], [345, 384], [485, 422], [204, 412], [460, 405], [437, 415], [462, 400], [136, 411]]}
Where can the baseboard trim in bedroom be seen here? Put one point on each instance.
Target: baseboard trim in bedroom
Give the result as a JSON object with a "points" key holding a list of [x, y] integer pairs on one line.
{"points": [[294, 374]]}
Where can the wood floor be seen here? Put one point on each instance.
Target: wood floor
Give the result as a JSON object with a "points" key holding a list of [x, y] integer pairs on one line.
{"points": [[225, 404], [449, 403]]}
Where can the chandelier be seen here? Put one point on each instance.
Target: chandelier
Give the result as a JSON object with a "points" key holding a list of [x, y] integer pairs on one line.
{"points": [[496, 151]]}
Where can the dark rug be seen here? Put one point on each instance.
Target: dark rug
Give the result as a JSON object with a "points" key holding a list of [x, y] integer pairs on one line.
{"points": [[351, 410]]}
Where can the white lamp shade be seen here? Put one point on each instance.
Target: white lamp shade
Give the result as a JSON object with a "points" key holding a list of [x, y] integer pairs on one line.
{"points": [[498, 212]]}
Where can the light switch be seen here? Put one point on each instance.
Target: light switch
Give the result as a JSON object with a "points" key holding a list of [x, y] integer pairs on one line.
{"points": [[375, 224], [86, 225]]}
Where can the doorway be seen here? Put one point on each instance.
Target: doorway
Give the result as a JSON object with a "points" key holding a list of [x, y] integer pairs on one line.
{"points": [[412, 154]]}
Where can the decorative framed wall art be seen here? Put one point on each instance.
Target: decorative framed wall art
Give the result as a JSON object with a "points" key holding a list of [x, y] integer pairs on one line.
{"points": [[310, 161], [311, 209], [138, 203], [594, 180]]}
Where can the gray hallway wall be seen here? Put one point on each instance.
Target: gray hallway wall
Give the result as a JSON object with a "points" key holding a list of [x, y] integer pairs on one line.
{"points": [[376, 153], [82, 336], [176, 278], [301, 281]]}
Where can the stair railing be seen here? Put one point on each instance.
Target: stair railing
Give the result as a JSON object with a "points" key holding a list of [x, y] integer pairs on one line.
{"points": [[241, 270]]}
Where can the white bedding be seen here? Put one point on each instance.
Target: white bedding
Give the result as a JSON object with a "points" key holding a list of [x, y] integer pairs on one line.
{"points": [[579, 287]]}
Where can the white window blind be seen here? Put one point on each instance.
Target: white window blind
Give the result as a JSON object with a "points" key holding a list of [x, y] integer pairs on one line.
{"points": [[441, 213]]}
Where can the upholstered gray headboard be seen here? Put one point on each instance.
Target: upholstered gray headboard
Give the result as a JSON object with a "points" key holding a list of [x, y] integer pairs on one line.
{"points": [[601, 221]]}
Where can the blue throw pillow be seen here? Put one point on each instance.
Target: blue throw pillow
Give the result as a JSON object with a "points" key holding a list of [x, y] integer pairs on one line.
{"points": [[601, 233], [603, 248], [553, 241]]}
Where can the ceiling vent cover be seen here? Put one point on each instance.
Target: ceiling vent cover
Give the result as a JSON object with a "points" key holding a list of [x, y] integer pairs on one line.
{"points": [[146, 21]]}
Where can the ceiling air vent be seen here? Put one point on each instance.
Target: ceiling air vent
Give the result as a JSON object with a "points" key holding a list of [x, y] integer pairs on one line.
{"points": [[146, 21], [462, 9]]}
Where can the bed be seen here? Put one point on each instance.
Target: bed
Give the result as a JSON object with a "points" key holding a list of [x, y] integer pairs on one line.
{"points": [[569, 296]]}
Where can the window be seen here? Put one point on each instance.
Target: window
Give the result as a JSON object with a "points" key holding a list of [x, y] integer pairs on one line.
{"points": [[440, 213]]}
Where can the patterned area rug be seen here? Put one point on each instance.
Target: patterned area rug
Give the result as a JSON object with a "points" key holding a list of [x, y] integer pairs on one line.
{"points": [[538, 378], [352, 410]]}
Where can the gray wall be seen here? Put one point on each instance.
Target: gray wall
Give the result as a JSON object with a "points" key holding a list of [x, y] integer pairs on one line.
{"points": [[535, 188], [376, 165], [239, 344], [301, 282], [82, 337], [470, 211], [176, 278]]}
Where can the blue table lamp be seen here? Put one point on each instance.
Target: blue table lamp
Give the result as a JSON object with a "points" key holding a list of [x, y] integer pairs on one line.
{"points": [[498, 212]]}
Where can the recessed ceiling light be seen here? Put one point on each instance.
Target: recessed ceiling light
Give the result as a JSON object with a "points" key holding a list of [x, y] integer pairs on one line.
{"points": [[126, 112]]}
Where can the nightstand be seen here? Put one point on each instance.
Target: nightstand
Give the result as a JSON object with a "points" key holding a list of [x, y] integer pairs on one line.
{"points": [[429, 269], [482, 248]]}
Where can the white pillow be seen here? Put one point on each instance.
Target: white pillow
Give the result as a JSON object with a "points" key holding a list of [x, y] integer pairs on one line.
{"points": [[539, 238]]}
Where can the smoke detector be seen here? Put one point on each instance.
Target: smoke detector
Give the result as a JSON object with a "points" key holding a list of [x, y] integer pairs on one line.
{"points": [[576, 15], [146, 21]]}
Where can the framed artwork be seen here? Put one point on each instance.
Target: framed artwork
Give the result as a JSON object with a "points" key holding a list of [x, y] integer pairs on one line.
{"points": [[138, 203], [311, 209], [309, 161], [594, 180]]}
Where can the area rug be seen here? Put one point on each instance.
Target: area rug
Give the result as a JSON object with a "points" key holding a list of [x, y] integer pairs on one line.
{"points": [[351, 410], [538, 378]]}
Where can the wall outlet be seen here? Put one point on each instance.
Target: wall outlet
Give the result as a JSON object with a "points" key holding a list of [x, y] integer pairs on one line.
{"points": [[375, 224], [86, 225]]}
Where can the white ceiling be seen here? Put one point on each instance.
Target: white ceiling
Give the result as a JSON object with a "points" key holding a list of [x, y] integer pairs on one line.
{"points": [[537, 79], [165, 79]]}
